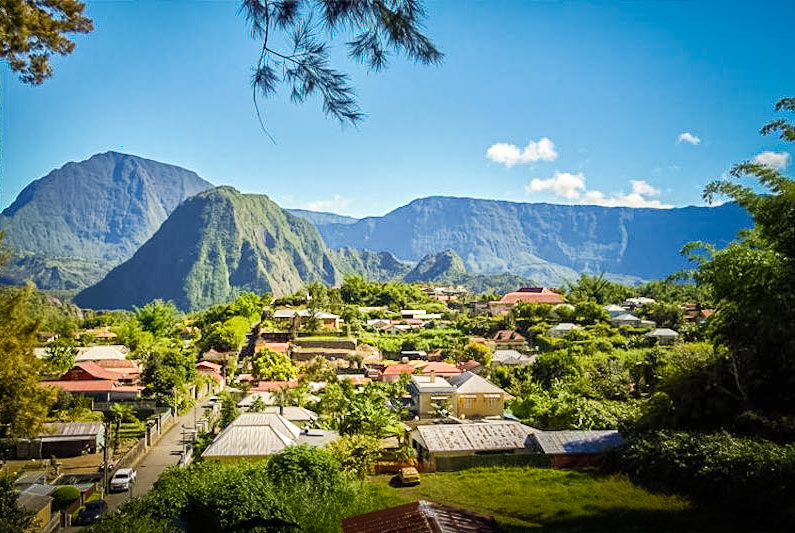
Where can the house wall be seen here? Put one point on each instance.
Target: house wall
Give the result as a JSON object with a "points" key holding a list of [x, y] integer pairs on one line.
{"points": [[424, 403], [42, 517], [77, 374], [583, 460], [477, 406]]}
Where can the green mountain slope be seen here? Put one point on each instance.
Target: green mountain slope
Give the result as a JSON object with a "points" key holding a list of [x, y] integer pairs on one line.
{"points": [[437, 267], [375, 266], [95, 212], [215, 245]]}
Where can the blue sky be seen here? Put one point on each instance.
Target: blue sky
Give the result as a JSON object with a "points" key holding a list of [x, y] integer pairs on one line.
{"points": [[604, 93]]}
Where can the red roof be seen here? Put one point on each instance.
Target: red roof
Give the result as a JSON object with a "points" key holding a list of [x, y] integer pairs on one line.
{"points": [[440, 368], [265, 386], [508, 335], [118, 364], [93, 370], [536, 295], [420, 517], [468, 365], [89, 385], [208, 365], [398, 369]]}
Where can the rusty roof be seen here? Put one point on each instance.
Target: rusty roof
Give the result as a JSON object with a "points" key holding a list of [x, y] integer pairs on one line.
{"points": [[420, 517], [486, 436]]}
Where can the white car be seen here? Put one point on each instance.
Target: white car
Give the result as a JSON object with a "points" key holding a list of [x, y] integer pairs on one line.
{"points": [[122, 479]]}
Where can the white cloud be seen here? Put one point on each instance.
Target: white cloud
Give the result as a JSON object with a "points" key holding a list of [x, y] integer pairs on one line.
{"points": [[778, 160], [510, 154], [335, 204], [573, 187], [563, 184], [689, 138]]}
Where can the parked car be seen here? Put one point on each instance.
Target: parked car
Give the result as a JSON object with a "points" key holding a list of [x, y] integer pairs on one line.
{"points": [[92, 512], [409, 476], [122, 479]]}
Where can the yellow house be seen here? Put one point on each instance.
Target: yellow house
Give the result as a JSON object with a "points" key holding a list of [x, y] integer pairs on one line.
{"points": [[476, 397]]}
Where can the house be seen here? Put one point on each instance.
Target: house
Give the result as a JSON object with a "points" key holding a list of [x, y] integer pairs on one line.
{"points": [[218, 357], [63, 439], [508, 339], [449, 447], [470, 366], [40, 506], [259, 435], [271, 386], [420, 517], [299, 416], [392, 373], [294, 318], [562, 329], [569, 449], [378, 323], [101, 390], [663, 335], [694, 313], [615, 310], [439, 368], [626, 319], [95, 353], [214, 370], [397, 329], [88, 370], [429, 394], [476, 397], [538, 295], [510, 358]]}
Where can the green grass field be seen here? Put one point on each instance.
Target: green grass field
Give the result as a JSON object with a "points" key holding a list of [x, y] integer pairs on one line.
{"points": [[525, 499]]}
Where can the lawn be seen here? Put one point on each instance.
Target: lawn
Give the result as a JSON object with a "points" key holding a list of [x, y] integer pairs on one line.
{"points": [[524, 499]]}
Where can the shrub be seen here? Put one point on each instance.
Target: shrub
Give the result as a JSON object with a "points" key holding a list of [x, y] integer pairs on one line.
{"points": [[716, 469], [66, 494], [306, 465]]}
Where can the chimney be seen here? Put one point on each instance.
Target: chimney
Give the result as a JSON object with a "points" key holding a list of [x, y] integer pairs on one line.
{"points": [[433, 376]]}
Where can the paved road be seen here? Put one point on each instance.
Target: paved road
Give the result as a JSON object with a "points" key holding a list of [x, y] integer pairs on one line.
{"points": [[159, 457]]}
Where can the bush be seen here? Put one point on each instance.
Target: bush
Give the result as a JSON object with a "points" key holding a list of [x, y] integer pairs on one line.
{"points": [[717, 469], [305, 465], [66, 494]]}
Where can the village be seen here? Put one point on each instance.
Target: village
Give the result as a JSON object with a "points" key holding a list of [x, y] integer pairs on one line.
{"points": [[390, 390]]}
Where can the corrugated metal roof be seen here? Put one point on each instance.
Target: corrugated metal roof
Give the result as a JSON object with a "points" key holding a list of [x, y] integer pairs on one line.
{"points": [[64, 429], [475, 437], [279, 423], [576, 442], [420, 517], [247, 441], [99, 352]]}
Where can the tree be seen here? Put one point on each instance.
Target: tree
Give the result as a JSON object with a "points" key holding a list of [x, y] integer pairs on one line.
{"points": [[12, 516], [120, 413], [356, 453], [751, 282], [229, 410], [665, 315], [589, 312], [33, 30], [268, 365], [597, 288], [257, 406], [376, 27], [479, 352], [157, 317], [166, 369], [61, 354], [23, 403]]}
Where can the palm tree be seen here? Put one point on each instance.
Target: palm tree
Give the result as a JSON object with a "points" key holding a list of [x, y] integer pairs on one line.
{"points": [[119, 413], [282, 397]]}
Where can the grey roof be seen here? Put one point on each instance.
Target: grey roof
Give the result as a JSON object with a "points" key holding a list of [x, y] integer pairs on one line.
{"points": [[293, 413], [279, 423], [33, 502], [70, 430], [576, 442], [439, 385], [30, 478], [247, 441], [662, 332], [92, 353], [564, 326], [469, 383], [614, 307], [317, 437], [289, 313], [626, 316], [475, 437], [40, 489], [510, 357]]}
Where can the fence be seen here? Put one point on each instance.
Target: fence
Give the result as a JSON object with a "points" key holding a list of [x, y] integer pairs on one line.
{"points": [[462, 462], [153, 434]]}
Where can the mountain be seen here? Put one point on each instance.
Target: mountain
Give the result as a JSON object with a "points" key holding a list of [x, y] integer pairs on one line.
{"points": [[437, 267], [213, 246], [375, 266], [546, 242], [319, 217], [95, 212]]}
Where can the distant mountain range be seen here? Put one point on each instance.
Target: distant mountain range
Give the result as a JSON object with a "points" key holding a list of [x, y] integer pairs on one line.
{"points": [[127, 230], [542, 241], [70, 227]]}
